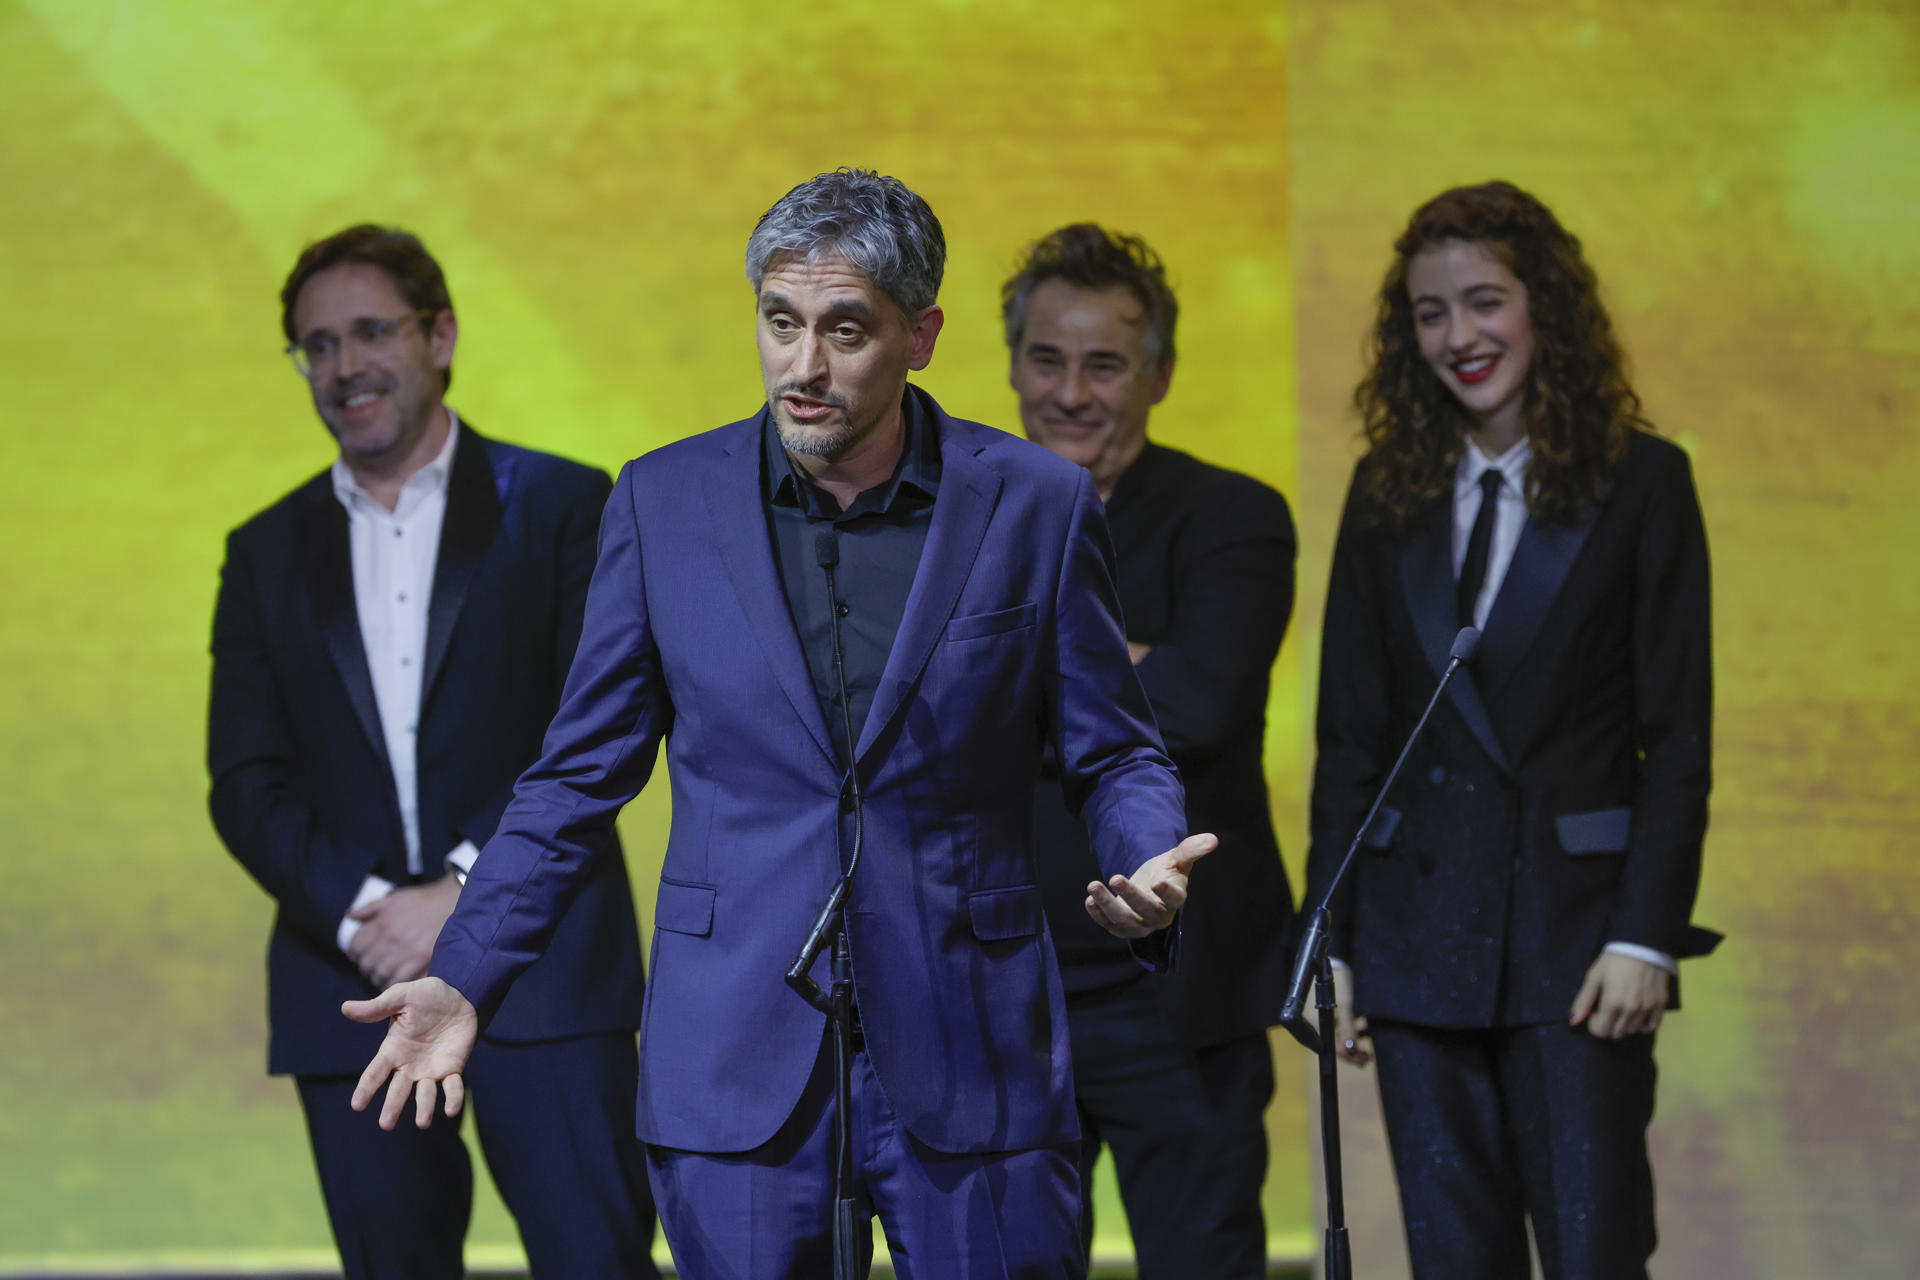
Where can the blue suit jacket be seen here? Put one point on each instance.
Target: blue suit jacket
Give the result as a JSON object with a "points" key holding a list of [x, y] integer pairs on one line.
{"points": [[302, 790], [1011, 636]]}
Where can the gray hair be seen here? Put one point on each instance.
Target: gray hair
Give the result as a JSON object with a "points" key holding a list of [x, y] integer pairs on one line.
{"points": [[872, 221]]}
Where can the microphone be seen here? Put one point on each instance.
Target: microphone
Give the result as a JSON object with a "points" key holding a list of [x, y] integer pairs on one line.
{"points": [[1307, 960], [826, 551], [1465, 645]]}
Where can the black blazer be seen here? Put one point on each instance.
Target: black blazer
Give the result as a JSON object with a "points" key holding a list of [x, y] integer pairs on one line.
{"points": [[1559, 798], [302, 792], [1206, 578]]}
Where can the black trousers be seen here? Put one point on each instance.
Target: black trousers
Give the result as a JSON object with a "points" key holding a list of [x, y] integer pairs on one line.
{"points": [[1490, 1128], [556, 1124], [1187, 1128]]}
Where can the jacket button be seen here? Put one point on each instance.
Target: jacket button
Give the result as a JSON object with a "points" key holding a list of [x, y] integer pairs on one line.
{"points": [[1438, 776]]}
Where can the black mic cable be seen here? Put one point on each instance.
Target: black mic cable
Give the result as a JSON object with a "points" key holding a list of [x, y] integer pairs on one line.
{"points": [[826, 551]]}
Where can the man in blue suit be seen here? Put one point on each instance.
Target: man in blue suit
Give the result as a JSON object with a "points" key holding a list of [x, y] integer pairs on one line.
{"points": [[389, 644], [975, 590]]}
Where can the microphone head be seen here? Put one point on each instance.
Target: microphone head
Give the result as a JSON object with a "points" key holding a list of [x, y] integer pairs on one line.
{"points": [[826, 550], [1464, 645]]}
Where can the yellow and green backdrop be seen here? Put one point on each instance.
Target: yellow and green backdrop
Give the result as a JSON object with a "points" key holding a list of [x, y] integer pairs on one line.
{"points": [[1746, 179]]}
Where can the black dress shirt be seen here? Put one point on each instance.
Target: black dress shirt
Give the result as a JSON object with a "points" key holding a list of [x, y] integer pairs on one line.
{"points": [[880, 537]]}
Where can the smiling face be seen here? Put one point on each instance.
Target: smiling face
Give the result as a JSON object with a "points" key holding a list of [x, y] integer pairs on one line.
{"points": [[1475, 331], [835, 351], [1085, 383], [379, 399]]}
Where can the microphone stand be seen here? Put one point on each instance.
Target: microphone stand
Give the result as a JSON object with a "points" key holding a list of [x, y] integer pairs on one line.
{"points": [[830, 926], [1312, 963]]}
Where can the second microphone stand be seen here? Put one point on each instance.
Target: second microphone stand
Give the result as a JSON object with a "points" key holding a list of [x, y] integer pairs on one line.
{"points": [[1313, 963], [830, 927]]}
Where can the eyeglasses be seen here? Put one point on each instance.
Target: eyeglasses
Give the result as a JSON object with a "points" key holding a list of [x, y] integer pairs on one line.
{"points": [[318, 351]]}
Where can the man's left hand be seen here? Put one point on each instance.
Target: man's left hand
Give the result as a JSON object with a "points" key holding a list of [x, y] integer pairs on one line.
{"points": [[1145, 903], [1622, 996], [396, 935]]}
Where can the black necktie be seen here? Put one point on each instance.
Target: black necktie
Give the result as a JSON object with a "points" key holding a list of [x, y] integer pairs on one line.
{"points": [[1473, 571]]}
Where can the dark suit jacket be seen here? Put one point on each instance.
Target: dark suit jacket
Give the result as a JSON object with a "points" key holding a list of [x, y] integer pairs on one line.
{"points": [[1559, 797], [302, 790], [1206, 578], [1011, 638]]}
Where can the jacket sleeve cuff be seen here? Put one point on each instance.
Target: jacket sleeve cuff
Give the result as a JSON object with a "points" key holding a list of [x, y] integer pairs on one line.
{"points": [[372, 889], [1659, 959]]}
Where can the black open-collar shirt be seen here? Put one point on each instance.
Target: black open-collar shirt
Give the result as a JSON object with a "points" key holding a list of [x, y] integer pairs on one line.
{"points": [[880, 536]]}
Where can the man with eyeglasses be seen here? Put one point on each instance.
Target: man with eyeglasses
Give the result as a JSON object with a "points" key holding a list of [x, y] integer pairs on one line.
{"points": [[389, 643]]}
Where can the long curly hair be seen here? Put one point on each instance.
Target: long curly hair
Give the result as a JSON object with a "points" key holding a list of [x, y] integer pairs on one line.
{"points": [[1578, 406]]}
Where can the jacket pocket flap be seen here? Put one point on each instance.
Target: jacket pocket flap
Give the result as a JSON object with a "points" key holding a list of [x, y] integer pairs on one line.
{"points": [[1005, 913], [1381, 830], [975, 625], [684, 908], [1595, 831]]}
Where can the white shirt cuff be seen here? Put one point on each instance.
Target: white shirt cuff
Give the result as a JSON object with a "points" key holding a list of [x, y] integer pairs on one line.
{"points": [[1658, 958], [462, 858], [372, 889]]}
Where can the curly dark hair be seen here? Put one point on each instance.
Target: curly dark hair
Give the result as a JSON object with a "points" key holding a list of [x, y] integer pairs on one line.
{"points": [[1578, 405], [1090, 256]]}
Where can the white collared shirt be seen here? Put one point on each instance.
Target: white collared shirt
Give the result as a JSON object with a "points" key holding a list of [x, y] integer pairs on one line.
{"points": [[394, 554], [1509, 518]]}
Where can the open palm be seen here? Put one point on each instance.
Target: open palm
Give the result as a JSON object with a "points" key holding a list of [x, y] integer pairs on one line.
{"points": [[430, 1032]]}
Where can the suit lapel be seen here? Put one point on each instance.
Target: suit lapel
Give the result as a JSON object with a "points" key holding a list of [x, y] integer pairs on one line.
{"points": [[740, 532], [1540, 564], [968, 492], [1426, 574], [327, 567], [474, 505]]}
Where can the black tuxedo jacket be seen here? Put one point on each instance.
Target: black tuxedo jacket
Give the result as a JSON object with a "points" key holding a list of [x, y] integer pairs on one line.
{"points": [[1559, 797], [302, 792], [1206, 578]]}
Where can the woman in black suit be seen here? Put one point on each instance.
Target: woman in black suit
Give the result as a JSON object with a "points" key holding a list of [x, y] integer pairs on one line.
{"points": [[1509, 931]]}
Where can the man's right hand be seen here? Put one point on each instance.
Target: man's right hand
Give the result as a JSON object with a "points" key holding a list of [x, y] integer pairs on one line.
{"points": [[430, 1033]]}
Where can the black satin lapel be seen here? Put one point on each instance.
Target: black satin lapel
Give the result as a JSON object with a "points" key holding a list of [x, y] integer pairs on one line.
{"points": [[968, 492], [1426, 573], [740, 532], [1541, 561], [473, 514], [326, 560]]}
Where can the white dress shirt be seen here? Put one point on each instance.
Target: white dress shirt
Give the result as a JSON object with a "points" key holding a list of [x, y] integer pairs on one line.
{"points": [[1508, 518], [394, 554]]}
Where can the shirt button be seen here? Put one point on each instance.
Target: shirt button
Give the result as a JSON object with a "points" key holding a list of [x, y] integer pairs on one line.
{"points": [[406, 662], [403, 597], [844, 609], [398, 532]]}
